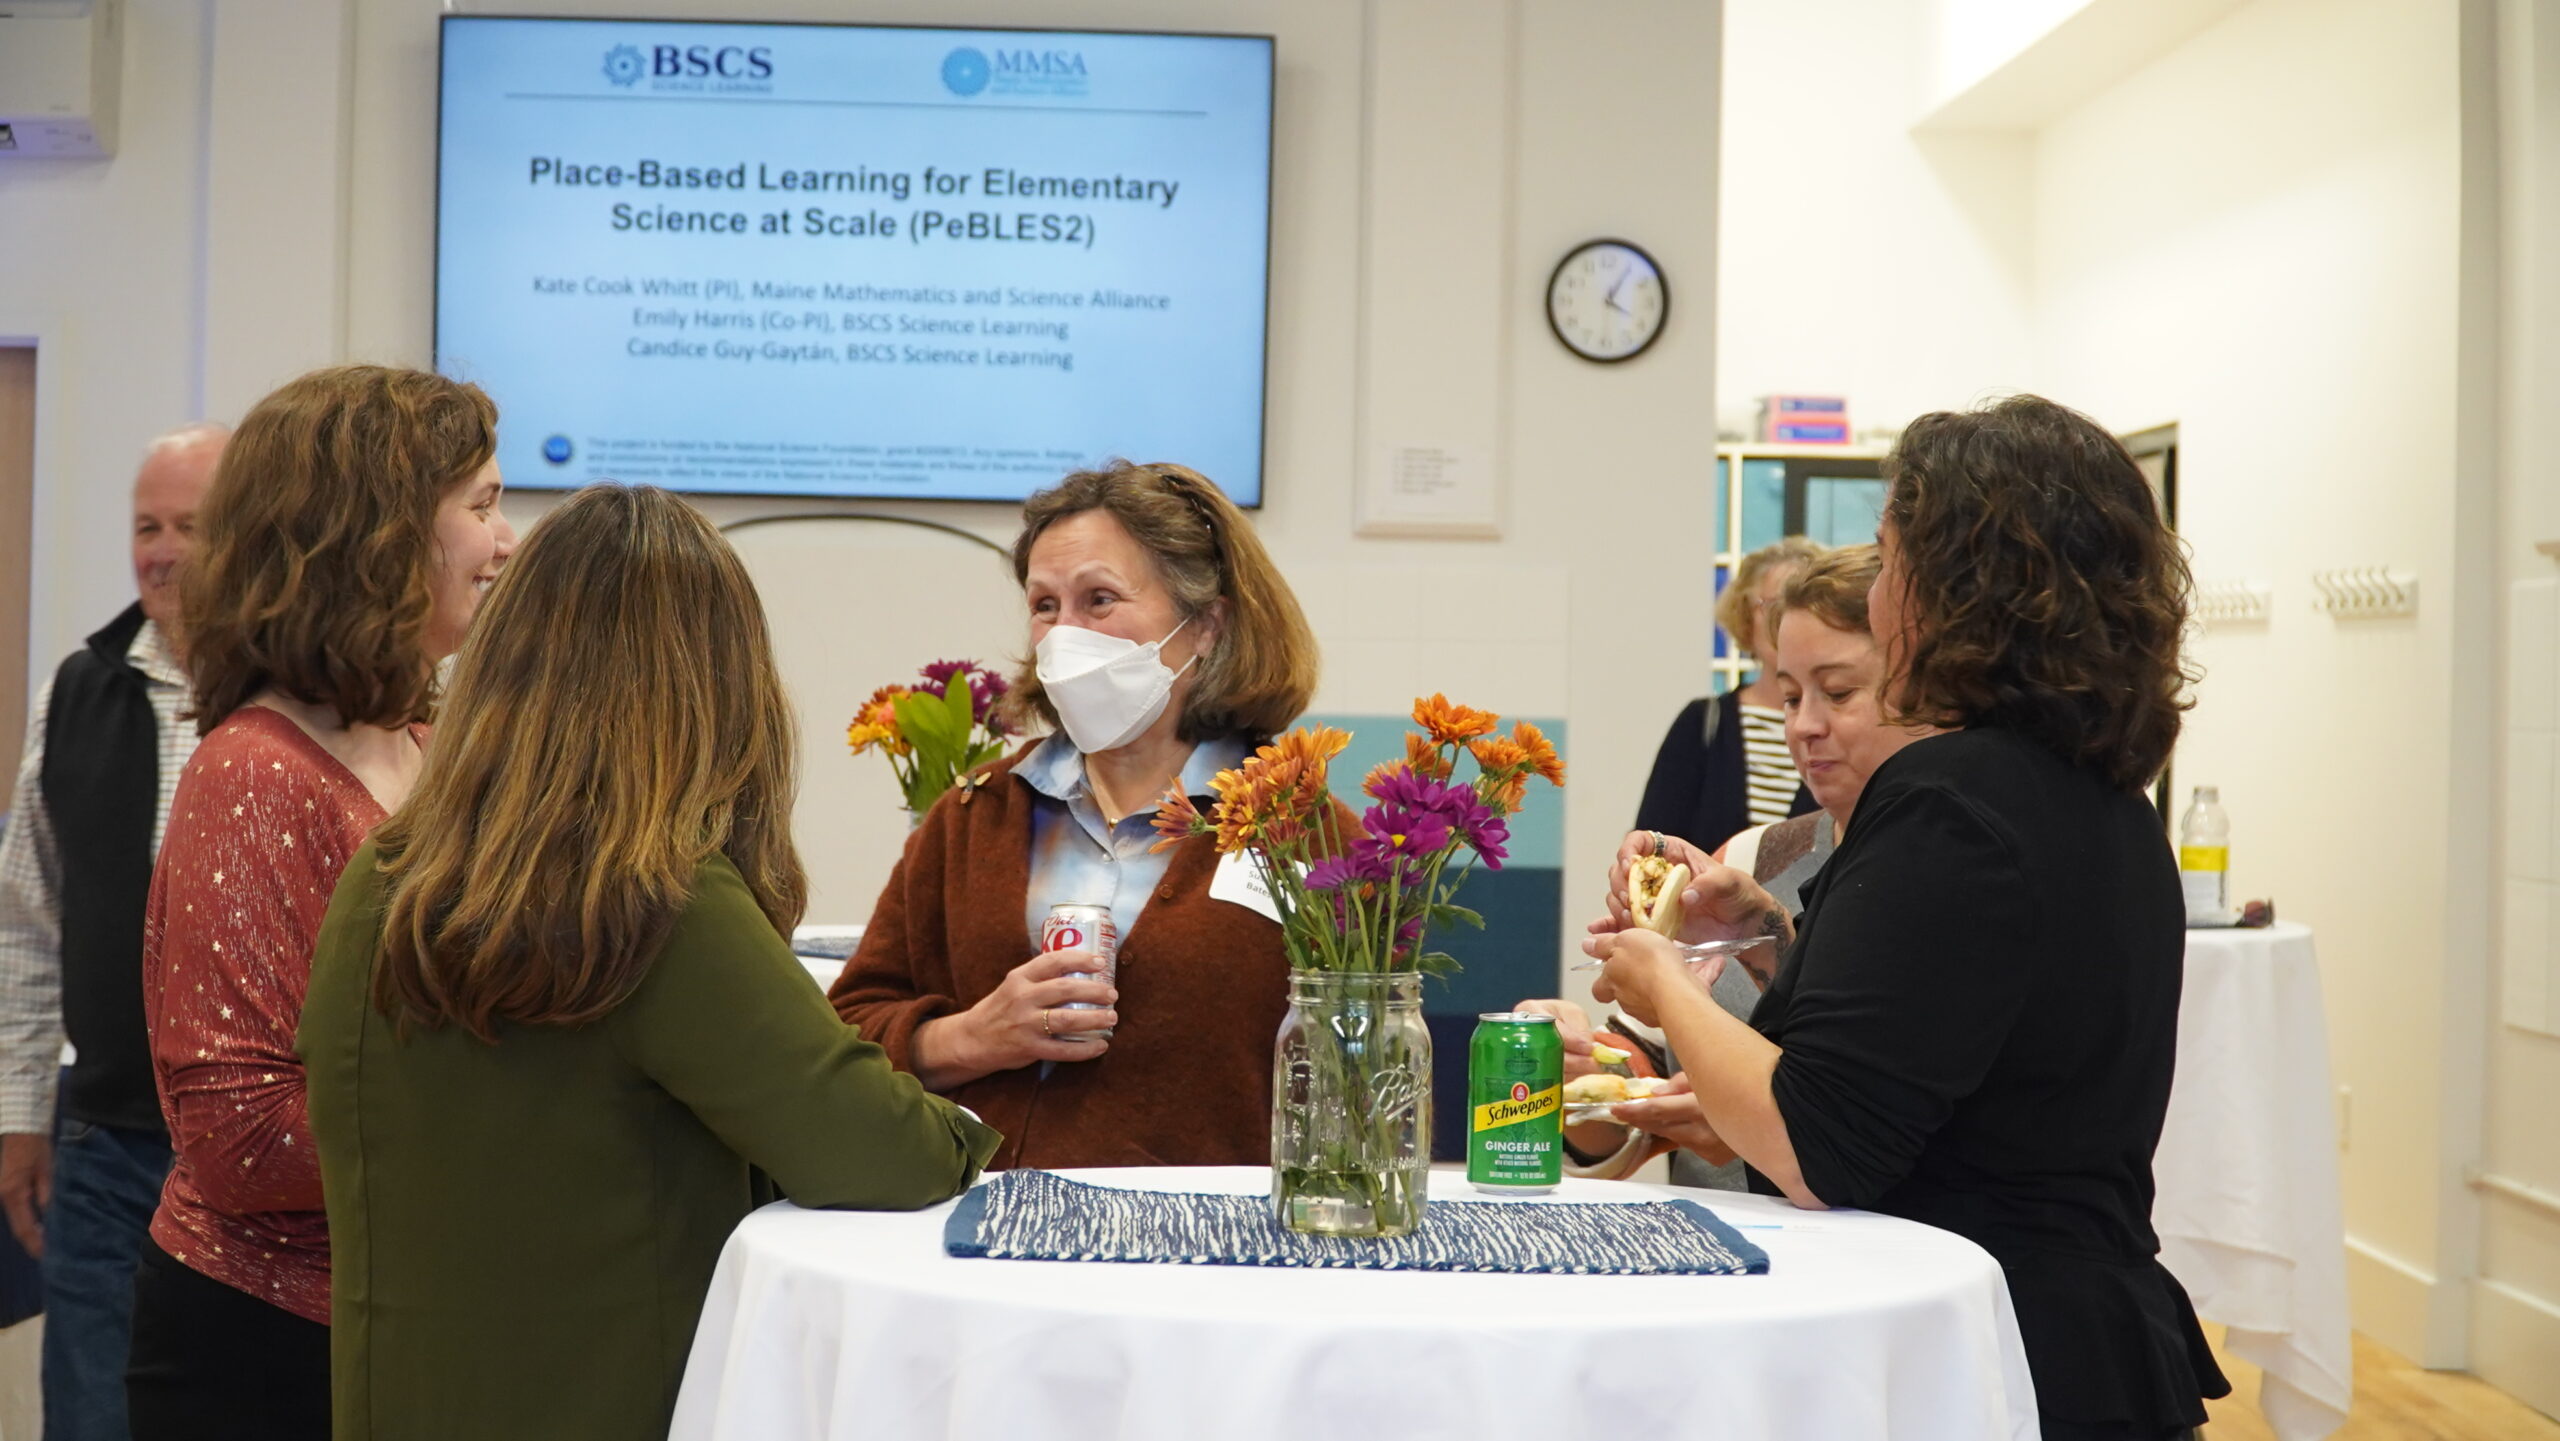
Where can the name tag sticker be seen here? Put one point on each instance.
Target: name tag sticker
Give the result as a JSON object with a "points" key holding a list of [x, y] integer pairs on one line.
{"points": [[1239, 879]]}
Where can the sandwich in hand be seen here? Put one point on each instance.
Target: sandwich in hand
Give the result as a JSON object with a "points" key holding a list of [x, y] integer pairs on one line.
{"points": [[1602, 1089], [1653, 893]]}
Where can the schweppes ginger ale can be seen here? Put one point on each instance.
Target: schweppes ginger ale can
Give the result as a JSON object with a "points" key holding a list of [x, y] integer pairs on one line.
{"points": [[1515, 1098]]}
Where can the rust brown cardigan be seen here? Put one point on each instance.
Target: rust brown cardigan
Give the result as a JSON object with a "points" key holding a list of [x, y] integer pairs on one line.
{"points": [[1203, 985]]}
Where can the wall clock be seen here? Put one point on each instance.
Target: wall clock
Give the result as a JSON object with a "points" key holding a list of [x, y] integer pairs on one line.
{"points": [[1607, 300]]}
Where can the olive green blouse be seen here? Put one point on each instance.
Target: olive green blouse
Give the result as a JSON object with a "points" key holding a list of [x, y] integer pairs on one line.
{"points": [[522, 1233]]}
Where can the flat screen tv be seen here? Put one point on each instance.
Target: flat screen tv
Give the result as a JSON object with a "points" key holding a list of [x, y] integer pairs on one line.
{"points": [[854, 260]]}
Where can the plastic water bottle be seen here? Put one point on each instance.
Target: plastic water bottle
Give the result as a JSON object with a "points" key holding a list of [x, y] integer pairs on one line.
{"points": [[2204, 859]]}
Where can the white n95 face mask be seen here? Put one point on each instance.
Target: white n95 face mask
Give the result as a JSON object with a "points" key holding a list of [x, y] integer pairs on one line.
{"points": [[1105, 690]]}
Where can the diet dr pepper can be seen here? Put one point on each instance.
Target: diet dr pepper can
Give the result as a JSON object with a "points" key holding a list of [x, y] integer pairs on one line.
{"points": [[1515, 1097], [1073, 925]]}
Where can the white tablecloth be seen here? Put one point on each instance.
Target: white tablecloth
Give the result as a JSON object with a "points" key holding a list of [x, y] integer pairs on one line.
{"points": [[2247, 1170], [828, 1326]]}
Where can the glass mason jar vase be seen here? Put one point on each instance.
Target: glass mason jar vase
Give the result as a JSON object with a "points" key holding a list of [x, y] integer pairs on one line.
{"points": [[1351, 1104]]}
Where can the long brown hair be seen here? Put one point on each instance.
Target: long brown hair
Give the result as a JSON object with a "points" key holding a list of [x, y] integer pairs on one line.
{"points": [[2045, 591], [1262, 671], [615, 718], [314, 570]]}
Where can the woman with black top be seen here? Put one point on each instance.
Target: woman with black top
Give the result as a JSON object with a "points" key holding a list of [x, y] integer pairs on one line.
{"points": [[1976, 1024]]}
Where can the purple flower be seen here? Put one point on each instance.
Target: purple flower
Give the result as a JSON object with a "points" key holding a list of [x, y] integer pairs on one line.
{"points": [[985, 689], [1399, 832], [1335, 872], [1406, 799]]}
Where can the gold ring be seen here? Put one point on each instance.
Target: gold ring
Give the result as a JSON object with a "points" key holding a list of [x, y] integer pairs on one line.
{"points": [[1044, 1025]]}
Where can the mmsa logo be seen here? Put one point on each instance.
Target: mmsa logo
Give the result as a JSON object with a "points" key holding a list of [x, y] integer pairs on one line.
{"points": [[964, 71], [1048, 64], [970, 71]]}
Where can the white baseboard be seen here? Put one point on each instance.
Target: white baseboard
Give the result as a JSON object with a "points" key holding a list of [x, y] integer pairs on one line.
{"points": [[2514, 1337], [2389, 1298]]}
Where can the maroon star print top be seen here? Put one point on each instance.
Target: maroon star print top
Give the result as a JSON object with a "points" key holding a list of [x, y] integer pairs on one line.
{"points": [[263, 821]]}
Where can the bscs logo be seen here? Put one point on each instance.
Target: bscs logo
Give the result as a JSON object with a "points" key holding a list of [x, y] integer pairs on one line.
{"points": [[701, 62]]}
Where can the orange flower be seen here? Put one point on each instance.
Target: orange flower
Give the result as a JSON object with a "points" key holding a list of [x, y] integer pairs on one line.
{"points": [[1425, 758], [1312, 746], [1507, 793], [1380, 772], [1541, 751], [1448, 723], [876, 723], [1176, 819], [1500, 756]]}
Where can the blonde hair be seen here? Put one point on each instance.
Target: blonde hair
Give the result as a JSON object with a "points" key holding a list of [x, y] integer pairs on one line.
{"points": [[1832, 588], [1261, 672], [1736, 608], [315, 571], [616, 717]]}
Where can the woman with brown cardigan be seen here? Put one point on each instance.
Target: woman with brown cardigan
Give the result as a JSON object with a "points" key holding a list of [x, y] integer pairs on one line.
{"points": [[1165, 645]]}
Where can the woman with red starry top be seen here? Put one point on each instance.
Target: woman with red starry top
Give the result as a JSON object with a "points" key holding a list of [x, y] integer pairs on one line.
{"points": [[350, 532]]}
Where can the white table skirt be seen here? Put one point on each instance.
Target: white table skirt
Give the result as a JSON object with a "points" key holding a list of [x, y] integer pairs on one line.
{"points": [[2247, 1171], [828, 1326]]}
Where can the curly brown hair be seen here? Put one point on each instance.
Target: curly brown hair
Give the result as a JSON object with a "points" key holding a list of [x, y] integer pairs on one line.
{"points": [[1262, 671], [315, 564], [2044, 593]]}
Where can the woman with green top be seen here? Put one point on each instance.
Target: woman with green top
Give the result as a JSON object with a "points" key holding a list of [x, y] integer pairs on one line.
{"points": [[557, 1043]]}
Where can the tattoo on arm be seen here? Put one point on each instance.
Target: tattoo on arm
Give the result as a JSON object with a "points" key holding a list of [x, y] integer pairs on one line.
{"points": [[1762, 961]]}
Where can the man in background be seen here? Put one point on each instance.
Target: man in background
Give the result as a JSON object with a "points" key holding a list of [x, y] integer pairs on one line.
{"points": [[79, 1181]]}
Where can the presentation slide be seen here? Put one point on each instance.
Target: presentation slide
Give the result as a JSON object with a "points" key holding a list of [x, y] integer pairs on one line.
{"points": [[854, 260]]}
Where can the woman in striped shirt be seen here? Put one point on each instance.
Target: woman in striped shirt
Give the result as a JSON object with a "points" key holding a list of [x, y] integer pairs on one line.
{"points": [[1724, 767]]}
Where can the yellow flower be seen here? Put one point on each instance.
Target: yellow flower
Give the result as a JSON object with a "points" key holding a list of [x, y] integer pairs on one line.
{"points": [[875, 722], [1448, 723]]}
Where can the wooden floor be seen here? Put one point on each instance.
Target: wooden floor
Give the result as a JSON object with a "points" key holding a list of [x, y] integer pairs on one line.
{"points": [[2395, 1401]]}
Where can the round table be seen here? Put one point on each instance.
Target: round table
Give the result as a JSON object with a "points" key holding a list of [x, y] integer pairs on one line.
{"points": [[839, 1324], [2247, 1172]]}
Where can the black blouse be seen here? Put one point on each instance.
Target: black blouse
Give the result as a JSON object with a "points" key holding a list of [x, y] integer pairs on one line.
{"points": [[1980, 1019]]}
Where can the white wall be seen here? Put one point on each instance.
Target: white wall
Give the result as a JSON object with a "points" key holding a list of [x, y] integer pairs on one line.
{"points": [[104, 268], [2515, 1305], [1605, 466], [1859, 259], [2269, 254]]}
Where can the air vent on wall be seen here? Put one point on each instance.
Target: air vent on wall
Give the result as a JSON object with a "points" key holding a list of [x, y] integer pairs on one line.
{"points": [[59, 64]]}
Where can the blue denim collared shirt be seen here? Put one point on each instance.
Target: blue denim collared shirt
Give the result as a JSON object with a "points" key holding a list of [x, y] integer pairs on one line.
{"points": [[1077, 856]]}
